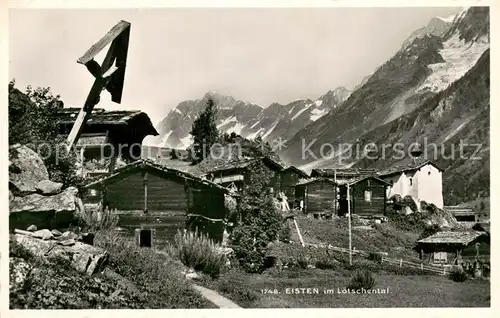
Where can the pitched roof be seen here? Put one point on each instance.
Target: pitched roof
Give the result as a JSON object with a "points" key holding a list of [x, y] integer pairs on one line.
{"points": [[353, 181], [148, 163], [448, 237], [396, 169], [211, 165], [100, 116], [313, 180], [297, 170], [342, 172]]}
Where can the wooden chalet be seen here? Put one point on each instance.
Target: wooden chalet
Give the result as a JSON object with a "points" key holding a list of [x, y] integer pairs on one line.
{"points": [[289, 177], [238, 172], [447, 247], [106, 137], [367, 196], [317, 197], [342, 174], [148, 190]]}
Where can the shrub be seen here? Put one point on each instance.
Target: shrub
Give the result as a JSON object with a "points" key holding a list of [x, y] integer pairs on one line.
{"points": [[362, 279], [92, 223], [262, 224], [302, 261], [376, 257], [198, 252], [457, 274], [325, 263]]}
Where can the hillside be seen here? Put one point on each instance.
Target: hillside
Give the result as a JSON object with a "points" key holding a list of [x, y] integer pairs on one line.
{"points": [[435, 92]]}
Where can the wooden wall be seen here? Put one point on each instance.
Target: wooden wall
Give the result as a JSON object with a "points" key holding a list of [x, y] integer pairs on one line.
{"points": [[376, 204], [359, 206], [170, 199], [320, 197], [289, 178]]}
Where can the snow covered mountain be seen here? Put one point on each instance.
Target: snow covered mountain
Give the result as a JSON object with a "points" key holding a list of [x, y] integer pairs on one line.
{"points": [[434, 91], [418, 71], [246, 119]]}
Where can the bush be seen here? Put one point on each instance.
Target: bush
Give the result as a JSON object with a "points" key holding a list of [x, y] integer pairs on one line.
{"points": [[302, 261], [457, 274], [325, 263], [375, 257], [91, 222], [362, 279], [198, 252], [262, 224]]}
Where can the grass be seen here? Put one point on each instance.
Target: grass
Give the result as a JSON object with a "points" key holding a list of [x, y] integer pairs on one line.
{"points": [[156, 275], [382, 238], [257, 290]]}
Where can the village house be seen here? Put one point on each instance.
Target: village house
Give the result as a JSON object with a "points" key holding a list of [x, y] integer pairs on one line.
{"points": [[367, 196], [317, 197], [149, 191], [235, 174], [107, 137], [422, 181], [447, 247], [289, 177]]}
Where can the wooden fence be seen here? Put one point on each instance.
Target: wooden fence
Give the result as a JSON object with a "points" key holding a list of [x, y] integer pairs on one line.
{"points": [[438, 270]]}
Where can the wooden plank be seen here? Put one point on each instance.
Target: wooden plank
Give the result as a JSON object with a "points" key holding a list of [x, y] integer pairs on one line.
{"points": [[115, 87], [112, 34]]}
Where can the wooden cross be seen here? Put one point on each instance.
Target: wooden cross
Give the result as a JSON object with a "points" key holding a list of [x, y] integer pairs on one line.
{"points": [[110, 75]]}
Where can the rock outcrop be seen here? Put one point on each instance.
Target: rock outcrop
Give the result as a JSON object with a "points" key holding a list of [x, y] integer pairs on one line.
{"points": [[48, 187], [83, 257], [26, 170], [44, 211]]}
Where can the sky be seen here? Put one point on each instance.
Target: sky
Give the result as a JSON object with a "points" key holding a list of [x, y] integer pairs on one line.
{"points": [[259, 55]]}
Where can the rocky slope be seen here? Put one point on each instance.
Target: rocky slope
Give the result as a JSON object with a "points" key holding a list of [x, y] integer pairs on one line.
{"points": [[434, 92], [414, 74], [246, 119]]}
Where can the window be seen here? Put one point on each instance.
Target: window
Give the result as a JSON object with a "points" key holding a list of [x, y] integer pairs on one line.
{"points": [[429, 173], [440, 257], [93, 192], [368, 196], [411, 181]]}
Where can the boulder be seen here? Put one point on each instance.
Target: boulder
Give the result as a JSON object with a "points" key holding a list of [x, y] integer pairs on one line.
{"points": [[48, 187], [53, 211], [83, 257], [43, 234], [56, 232], [26, 170], [32, 228]]}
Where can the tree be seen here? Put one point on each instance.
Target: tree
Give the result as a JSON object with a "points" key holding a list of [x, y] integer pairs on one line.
{"points": [[32, 123], [261, 224], [204, 131]]}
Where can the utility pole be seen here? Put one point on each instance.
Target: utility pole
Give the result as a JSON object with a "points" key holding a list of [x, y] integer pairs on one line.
{"points": [[349, 220]]}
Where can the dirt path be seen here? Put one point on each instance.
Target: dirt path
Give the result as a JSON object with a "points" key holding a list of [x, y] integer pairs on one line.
{"points": [[215, 297]]}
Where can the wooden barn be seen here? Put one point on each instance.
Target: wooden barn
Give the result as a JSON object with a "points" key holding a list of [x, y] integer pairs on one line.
{"points": [[447, 247], [317, 197], [240, 172], [107, 136], [149, 192], [289, 177], [367, 196]]}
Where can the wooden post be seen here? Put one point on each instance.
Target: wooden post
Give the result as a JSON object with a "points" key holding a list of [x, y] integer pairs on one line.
{"points": [[82, 157], [145, 181], [422, 266], [350, 233], [401, 263]]}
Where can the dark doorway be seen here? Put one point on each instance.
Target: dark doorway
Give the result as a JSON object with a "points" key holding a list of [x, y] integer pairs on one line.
{"points": [[145, 238]]}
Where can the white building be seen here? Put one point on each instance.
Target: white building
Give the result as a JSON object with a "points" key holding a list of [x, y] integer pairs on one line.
{"points": [[422, 181]]}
